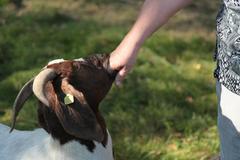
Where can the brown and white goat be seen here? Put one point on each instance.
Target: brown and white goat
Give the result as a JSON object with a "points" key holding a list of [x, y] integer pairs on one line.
{"points": [[75, 131]]}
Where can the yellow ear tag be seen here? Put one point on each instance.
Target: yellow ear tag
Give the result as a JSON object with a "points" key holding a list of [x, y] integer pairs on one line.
{"points": [[69, 99]]}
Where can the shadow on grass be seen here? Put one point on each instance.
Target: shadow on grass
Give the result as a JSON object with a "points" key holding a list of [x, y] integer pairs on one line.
{"points": [[199, 14], [2, 113], [207, 11], [40, 37], [173, 48], [33, 39], [158, 104], [112, 2], [141, 109]]}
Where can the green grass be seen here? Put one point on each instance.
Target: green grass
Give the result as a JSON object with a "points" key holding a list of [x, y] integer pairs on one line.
{"points": [[166, 109]]}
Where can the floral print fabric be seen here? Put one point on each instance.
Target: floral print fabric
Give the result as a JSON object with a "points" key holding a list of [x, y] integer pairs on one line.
{"points": [[227, 52]]}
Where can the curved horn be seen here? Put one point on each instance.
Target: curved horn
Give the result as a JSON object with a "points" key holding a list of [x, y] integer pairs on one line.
{"points": [[22, 96], [39, 83]]}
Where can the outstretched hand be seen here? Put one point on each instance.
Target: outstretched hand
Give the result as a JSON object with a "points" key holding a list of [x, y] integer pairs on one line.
{"points": [[153, 15], [123, 59]]}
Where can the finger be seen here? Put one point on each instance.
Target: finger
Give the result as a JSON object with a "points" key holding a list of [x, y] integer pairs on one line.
{"points": [[112, 62], [121, 76]]}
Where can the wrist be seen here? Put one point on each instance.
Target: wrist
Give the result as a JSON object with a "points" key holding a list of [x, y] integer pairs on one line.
{"points": [[136, 37], [127, 47], [131, 43]]}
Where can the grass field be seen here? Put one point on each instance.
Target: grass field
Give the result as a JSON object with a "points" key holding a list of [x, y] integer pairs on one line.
{"points": [[166, 109]]}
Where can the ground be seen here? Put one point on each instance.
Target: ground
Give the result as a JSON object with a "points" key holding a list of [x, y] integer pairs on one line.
{"points": [[166, 109]]}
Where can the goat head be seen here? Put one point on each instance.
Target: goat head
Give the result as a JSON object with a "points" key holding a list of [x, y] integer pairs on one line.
{"points": [[87, 80]]}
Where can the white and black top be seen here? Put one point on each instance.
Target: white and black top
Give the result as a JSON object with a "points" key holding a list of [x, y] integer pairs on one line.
{"points": [[227, 52]]}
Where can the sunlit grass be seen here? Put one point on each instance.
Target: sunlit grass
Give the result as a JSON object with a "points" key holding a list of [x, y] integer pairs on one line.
{"points": [[167, 107]]}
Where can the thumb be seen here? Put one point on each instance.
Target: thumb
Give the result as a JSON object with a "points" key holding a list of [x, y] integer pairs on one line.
{"points": [[120, 76]]}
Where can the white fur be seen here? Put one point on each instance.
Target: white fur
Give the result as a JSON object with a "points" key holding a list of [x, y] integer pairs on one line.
{"points": [[39, 145], [56, 61], [62, 60], [79, 59]]}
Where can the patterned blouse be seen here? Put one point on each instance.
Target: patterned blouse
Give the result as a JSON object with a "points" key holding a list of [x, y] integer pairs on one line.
{"points": [[227, 52]]}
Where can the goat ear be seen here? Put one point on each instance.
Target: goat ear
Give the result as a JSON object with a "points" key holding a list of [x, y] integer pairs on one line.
{"points": [[77, 119], [22, 96]]}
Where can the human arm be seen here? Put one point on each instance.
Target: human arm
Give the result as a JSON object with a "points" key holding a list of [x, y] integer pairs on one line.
{"points": [[153, 15]]}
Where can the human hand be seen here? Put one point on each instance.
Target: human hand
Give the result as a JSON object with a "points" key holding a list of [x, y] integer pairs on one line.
{"points": [[123, 59]]}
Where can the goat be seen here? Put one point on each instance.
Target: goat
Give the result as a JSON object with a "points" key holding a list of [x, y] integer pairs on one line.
{"points": [[70, 131]]}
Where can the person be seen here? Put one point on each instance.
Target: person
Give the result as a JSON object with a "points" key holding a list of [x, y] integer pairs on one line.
{"points": [[153, 15]]}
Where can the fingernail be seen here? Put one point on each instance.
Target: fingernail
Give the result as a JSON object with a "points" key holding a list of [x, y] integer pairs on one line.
{"points": [[118, 83]]}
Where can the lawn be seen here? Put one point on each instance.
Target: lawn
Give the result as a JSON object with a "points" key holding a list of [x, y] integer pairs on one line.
{"points": [[166, 109]]}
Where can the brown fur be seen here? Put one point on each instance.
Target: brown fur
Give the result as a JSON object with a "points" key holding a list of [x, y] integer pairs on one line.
{"points": [[89, 81]]}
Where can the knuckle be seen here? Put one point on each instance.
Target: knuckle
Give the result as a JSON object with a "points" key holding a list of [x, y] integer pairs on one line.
{"points": [[128, 67]]}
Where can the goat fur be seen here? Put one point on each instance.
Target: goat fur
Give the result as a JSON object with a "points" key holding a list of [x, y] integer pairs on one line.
{"points": [[68, 131], [39, 145]]}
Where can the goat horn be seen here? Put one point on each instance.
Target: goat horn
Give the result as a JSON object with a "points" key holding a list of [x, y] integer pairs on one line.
{"points": [[39, 83], [22, 96]]}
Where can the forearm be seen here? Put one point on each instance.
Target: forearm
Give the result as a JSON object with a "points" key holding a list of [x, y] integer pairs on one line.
{"points": [[153, 15]]}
